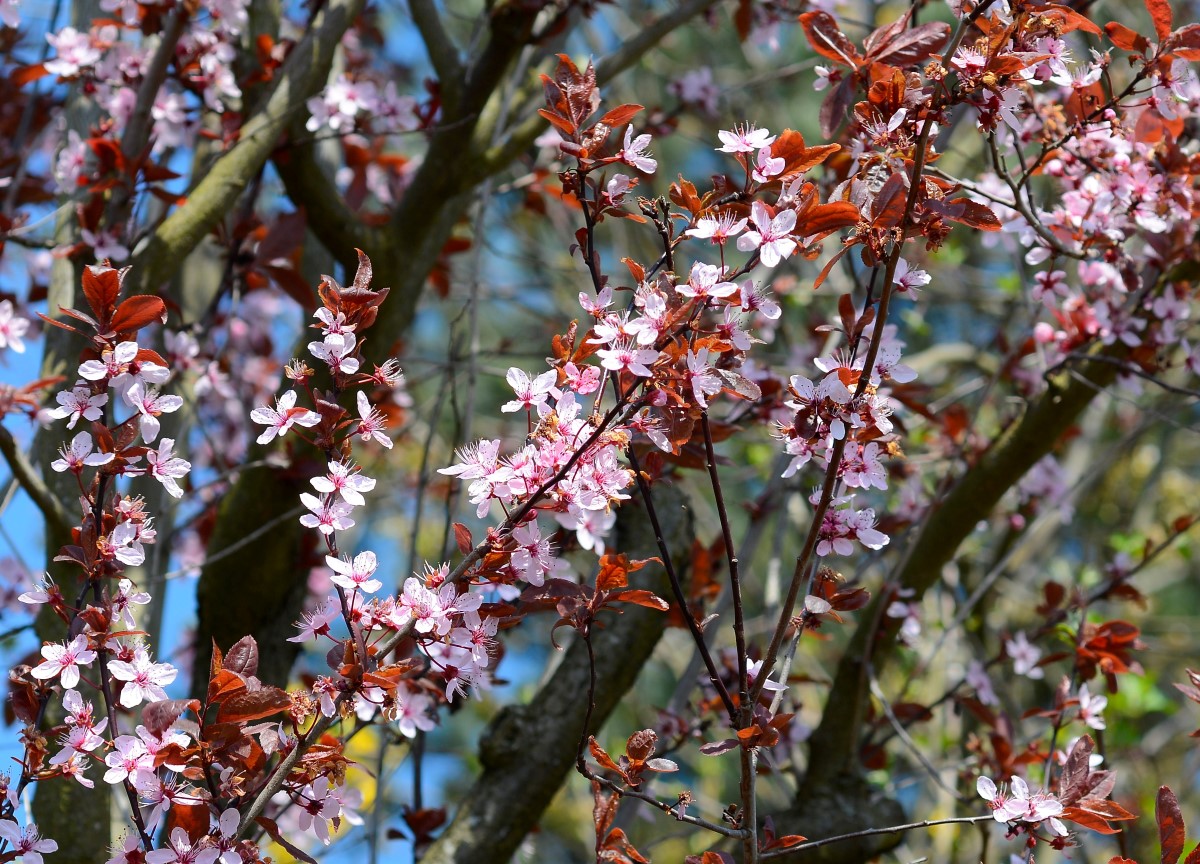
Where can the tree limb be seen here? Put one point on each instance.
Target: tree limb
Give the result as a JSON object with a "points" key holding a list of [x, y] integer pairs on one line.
{"points": [[303, 74], [442, 51], [55, 514]]}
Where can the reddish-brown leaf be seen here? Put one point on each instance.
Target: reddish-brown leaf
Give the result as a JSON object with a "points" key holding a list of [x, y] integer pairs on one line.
{"points": [[224, 684], [101, 287], [1072, 20], [242, 658], [966, 212], [137, 312], [1171, 831], [1160, 14], [824, 274], [642, 598], [737, 384], [888, 207], [158, 716], [826, 39], [833, 109], [824, 218], [798, 158], [1126, 39], [1087, 820], [602, 758], [913, 46], [192, 818], [561, 123], [1185, 42], [620, 115], [253, 705], [743, 19], [616, 841], [27, 74], [462, 538]]}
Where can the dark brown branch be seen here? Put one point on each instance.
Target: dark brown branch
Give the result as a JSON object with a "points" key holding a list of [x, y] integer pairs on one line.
{"points": [[442, 51]]}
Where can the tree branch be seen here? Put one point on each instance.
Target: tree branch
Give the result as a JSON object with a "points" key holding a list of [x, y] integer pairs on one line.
{"points": [[303, 74], [442, 51], [55, 514]]}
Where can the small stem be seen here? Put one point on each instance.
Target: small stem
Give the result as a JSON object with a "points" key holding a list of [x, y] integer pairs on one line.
{"points": [[871, 832], [735, 582], [680, 597]]}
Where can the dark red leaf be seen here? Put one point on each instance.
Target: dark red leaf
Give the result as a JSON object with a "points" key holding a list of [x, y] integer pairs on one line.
{"points": [[242, 658], [1171, 832], [137, 312], [642, 598], [826, 39], [462, 538], [101, 287], [1126, 39], [253, 705], [158, 716], [620, 115], [913, 46]]}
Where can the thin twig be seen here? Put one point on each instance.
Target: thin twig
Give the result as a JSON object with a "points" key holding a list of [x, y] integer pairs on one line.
{"points": [[871, 832]]}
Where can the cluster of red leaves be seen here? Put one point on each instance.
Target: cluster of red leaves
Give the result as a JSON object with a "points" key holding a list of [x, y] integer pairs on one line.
{"points": [[112, 321], [1084, 792], [579, 605], [892, 45], [637, 759], [571, 99]]}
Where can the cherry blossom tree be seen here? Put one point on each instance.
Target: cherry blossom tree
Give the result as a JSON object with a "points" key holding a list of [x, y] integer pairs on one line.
{"points": [[786, 469]]}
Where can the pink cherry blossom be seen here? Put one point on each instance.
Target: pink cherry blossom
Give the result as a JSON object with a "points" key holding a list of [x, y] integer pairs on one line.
{"points": [[345, 480], [771, 237], [166, 467], [371, 423], [180, 850], [529, 392], [12, 328], [78, 403], [702, 377], [625, 355], [144, 679], [282, 417], [633, 153], [326, 516], [356, 574], [63, 661], [705, 282], [717, 229], [27, 844], [1024, 656], [78, 455], [744, 139]]}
